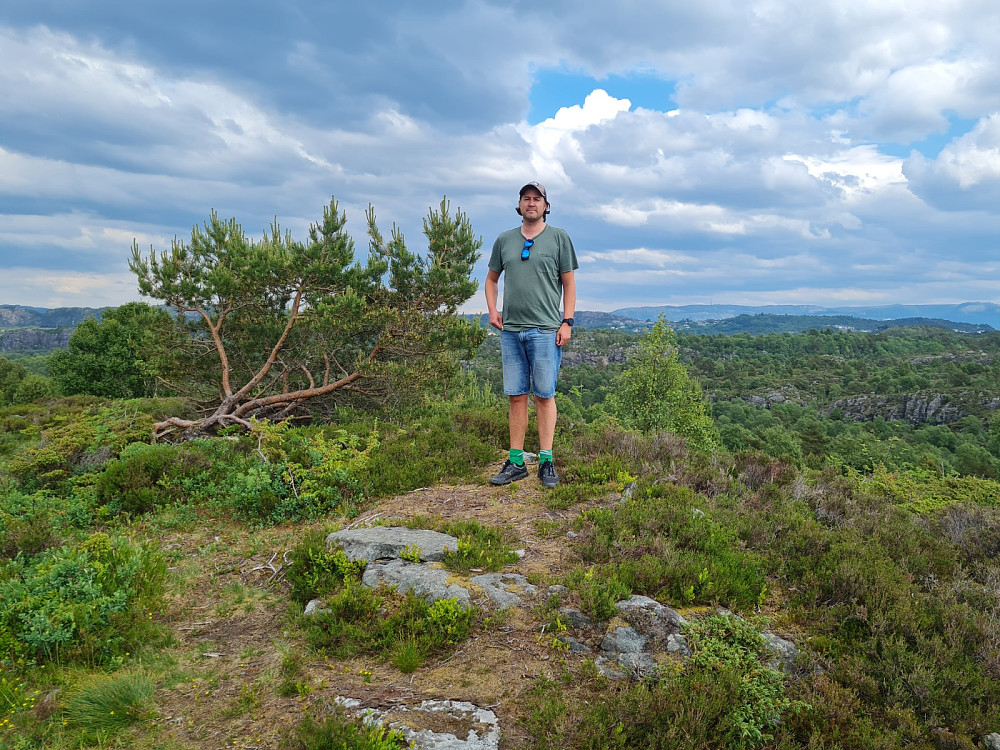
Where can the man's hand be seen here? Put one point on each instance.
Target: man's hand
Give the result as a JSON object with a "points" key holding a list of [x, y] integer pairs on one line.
{"points": [[564, 334], [496, 320]]}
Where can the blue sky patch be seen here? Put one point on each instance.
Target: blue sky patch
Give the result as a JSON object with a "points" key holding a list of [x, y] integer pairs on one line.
{"points": [[554, 89]]}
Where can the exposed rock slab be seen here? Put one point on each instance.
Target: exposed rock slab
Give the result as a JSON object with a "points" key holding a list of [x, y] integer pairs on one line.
{"points": [[421, 579], [656, 622], [436, 725], [383, 542], [504, 589]]}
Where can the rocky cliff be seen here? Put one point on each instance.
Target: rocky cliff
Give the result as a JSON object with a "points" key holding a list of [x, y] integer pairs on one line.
{"points": [[34, 339]]}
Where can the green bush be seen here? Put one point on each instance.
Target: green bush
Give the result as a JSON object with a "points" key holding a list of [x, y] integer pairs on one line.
{"points": [[31, 523], [481, 547], [86, 603], [78, 443], [722, 696], [357, 620], [146, 477], [662, 545], [317, 570], [441, 444], [338, 731]]}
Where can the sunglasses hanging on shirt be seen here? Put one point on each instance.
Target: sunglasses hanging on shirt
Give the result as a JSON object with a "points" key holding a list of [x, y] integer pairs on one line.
{"points": [[526, 252]]}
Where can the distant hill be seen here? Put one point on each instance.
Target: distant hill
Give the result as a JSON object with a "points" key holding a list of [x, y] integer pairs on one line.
{"points": [[587, 319], [768, 323], [966, 312], [18, 316]]}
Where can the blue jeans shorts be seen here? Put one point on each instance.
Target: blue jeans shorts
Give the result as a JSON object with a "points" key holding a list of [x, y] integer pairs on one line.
{"points": [[531, 361]]}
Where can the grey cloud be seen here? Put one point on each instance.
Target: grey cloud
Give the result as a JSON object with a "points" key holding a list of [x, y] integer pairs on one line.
{"points": [[965, 175]]}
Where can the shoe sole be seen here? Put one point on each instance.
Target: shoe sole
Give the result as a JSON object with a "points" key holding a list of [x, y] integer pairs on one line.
{"points": [[504, 483]]}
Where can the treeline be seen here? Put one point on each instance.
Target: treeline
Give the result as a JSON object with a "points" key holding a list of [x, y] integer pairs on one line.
{"points": [[793, 396]]}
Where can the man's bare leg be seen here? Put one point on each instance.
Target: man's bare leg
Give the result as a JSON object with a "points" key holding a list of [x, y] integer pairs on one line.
{"points": [[545, 409], [518, 421]]}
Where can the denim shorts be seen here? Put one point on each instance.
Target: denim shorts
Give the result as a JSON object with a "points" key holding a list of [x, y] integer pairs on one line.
{"points": [[531, 361]]}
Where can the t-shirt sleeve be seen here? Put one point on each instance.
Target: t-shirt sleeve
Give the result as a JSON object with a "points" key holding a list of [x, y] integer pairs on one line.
{"points": [[496, 257], [567, 255]]}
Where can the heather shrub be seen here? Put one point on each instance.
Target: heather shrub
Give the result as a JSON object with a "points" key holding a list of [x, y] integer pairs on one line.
{"points": [[88, 603]]}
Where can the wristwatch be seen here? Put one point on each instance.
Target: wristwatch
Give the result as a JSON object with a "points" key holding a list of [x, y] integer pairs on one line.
{"points": [[568, 321]]}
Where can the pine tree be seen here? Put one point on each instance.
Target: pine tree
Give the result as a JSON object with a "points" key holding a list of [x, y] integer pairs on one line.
{"points": [[656, 392]]}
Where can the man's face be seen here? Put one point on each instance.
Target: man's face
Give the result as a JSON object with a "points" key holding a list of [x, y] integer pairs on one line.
{"points": [[532, 204]]}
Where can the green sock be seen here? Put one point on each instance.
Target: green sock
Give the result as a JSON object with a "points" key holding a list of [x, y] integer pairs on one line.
{"points": [[544, 456], [517, 457]]}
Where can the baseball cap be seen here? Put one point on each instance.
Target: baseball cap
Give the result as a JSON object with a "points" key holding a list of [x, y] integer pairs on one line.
{"points": [[540, 188]]}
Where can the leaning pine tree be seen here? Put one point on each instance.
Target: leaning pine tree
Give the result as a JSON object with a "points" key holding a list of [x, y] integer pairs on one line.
{"points": [[277, 323], [656, 392]]}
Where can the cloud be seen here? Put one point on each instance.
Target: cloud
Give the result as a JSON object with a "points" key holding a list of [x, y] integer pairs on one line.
{"points": [[965, 175], [778, 169]]}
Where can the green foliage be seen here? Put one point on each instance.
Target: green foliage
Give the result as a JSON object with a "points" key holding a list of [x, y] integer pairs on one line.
{"points": [[723, 696], [72, 445], [323, 473], [655, 392], [287, 322], [732, 648], [663, 545], [122, 356], [31, 523], [146, 477], [923, 490], [275, 474], [18, 385], [438, 443], [316, 570], [108, 704], [338, 731], [357, 620], [85, 603], [480, 547]]}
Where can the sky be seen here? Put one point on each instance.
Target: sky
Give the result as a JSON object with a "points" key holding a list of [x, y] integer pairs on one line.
{"points": [[836, 152]]}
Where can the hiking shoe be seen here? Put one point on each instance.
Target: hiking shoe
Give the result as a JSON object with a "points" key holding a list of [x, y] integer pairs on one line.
{"points": [[547, 474], [510, 472]]}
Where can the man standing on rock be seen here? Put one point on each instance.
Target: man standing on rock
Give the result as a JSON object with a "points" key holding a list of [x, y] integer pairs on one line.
{"points": [[539, 262]]}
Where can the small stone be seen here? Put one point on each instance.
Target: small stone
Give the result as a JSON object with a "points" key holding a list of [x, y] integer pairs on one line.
{"points": [[313, 607], [575, 618], [992, 741], [575, 647], [677, 644], [785, 653]]}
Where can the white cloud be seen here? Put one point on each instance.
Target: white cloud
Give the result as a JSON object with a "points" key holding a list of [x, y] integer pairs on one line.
{"points": [[554, 140], [966, 174], [774, 172]]}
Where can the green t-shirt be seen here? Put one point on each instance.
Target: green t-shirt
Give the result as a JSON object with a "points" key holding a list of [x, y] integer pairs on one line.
{"points": [[532, 290]]}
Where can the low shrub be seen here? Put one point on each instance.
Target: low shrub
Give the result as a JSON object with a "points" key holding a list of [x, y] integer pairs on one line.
{"points": [[87, 603], [481, 547], [722, 696], [33, 522], [146, 477], [357, 620], [339, 730], [317, 570], [662, 545]]}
